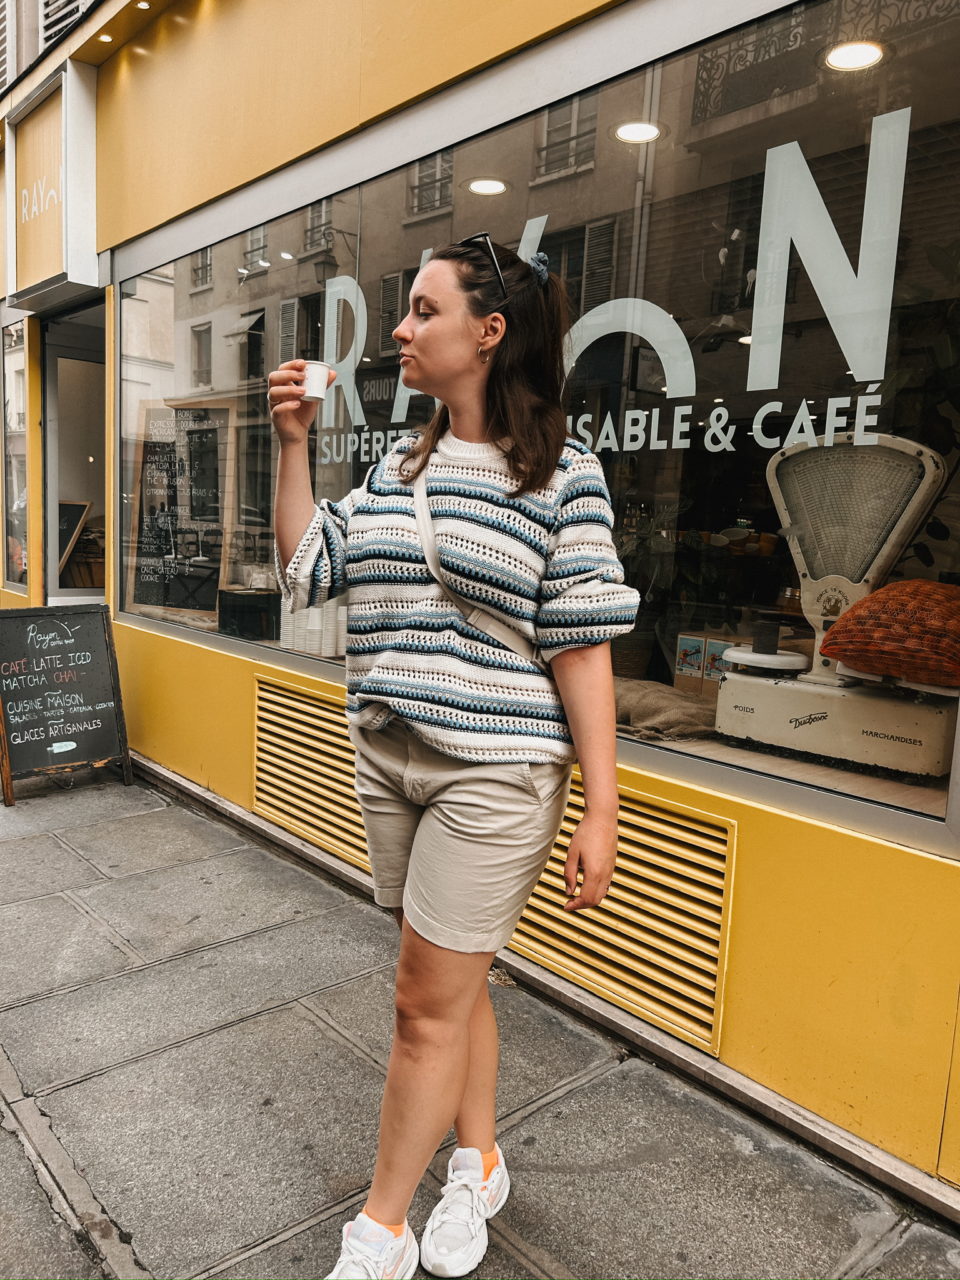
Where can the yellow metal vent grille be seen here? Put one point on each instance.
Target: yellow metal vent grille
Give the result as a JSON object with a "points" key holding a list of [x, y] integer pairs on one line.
{"points": [[656, 944], [303, 770]]}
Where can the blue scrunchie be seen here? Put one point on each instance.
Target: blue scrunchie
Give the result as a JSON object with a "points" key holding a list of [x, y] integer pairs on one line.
{"points": [[538, 265]]}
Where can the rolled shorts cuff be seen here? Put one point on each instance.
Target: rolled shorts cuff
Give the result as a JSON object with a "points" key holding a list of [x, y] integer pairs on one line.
{"points": [[391, 898], [453, 939]]}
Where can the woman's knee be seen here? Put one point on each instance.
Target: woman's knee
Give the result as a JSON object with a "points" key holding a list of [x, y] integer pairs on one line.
{"points": [[438, 993]]}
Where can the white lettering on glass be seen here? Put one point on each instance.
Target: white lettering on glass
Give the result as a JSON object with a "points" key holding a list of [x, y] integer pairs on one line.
{"points": [[644, 320], [344, 291], [856, 303]]}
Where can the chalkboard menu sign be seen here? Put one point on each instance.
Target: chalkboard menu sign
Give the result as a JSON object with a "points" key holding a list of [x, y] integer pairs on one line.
{"points": [[59, 693]]}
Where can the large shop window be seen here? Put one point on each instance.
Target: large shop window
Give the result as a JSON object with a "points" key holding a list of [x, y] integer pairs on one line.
{"points": [[759, 243], [14, 457]]}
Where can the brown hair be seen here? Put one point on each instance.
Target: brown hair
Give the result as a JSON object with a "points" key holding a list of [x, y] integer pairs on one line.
{"points": [[526, 373]]}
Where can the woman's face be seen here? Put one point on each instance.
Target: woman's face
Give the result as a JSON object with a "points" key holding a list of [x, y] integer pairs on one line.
{"points": [[439, 337]]}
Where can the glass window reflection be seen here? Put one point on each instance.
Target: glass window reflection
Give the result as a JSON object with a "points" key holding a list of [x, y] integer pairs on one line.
{"points": [[729, 308]]}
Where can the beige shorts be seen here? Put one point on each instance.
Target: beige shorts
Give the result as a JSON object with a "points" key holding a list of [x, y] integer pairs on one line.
{"points": [[459, 846]]}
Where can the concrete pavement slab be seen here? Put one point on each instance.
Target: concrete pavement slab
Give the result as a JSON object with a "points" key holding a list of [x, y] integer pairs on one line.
{"points": [[49, 807], [224, 1140], [158, 839], [925, 1253], [539, 1045], [641, 1174], [172, 909], [48, 943], [313, 1252], [40, 864], [34, 1241], [70, 1035]]}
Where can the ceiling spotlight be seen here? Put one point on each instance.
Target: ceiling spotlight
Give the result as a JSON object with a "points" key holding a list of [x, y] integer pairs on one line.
{"points": [[745, 339], [287, 257], [718, 399], [143, 4], [243, 271], [487, 187], [262, 262], [637, 131], [105, 39], [854, 55]]}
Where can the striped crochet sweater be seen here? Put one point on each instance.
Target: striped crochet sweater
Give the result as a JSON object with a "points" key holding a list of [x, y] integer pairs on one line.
{"points": [[543, 563]]}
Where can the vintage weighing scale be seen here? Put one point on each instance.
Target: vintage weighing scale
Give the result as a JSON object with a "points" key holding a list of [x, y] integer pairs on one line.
{"points": [[848, 513]]}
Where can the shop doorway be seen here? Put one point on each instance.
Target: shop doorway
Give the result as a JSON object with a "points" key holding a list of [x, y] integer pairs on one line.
{"points": [[74, 405]]}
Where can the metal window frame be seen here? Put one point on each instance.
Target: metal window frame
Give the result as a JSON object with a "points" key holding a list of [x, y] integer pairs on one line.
{"points": [[568, 63]]}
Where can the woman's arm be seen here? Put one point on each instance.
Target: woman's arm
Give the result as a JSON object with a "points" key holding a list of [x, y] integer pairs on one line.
{"points": [[292, 419], [585, 680], [294, 502]]}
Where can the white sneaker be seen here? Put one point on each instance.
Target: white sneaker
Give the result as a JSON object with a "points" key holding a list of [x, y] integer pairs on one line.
{"points": [[373, 1252], [455, 1237]]}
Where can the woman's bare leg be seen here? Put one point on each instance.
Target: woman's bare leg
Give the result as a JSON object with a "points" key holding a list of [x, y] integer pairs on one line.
{"points": [[476, 1122], [437, 992]]}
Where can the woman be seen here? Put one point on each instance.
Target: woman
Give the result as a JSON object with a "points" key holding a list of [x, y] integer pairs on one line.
{"points": [[464, 746]]}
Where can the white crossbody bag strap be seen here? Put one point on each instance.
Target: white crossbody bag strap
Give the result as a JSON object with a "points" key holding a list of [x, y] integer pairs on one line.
{"points": [[476, 616]]}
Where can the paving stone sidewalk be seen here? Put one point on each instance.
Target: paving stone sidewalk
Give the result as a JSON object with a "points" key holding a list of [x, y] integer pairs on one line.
{"points": [[193, 1039]]}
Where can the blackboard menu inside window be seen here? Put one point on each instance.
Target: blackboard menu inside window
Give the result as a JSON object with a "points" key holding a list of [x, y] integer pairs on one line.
{"points": [[60, 702], [204, 454]]}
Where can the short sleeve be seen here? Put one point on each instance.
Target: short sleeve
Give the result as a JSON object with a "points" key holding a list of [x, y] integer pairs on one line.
{"points": [[583, 599], [317, 571]]}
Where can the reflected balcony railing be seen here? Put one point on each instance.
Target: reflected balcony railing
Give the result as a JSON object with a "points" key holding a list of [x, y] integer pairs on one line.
{"points": [[566, 154], [318, 237], [780, 55], [428, 197]]}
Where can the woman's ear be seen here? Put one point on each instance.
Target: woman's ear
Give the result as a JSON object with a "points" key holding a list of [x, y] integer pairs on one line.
{"points": [[494, 327]]}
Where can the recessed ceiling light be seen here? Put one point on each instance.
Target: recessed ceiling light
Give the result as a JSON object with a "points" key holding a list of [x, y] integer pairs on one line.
{"points": [[143, 4], [854, 55], [637, 131], [105, 39], [487, 187], [745, 339], [718, 399], [288, 257], [262, 262]]}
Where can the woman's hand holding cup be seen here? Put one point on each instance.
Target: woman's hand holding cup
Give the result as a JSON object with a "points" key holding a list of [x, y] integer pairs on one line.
{"points": [[293, 392]]}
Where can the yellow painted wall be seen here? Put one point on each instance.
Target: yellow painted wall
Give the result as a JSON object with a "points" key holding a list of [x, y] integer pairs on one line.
{"points": [[220, 94], [950, 1148], [844, 968], [843, 978]]}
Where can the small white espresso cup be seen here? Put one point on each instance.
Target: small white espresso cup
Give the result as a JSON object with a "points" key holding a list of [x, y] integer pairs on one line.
{"points": [[315, 380]]}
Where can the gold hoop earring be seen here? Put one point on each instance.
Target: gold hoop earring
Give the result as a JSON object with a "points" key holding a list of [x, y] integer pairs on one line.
{"points": [[480, 356]]}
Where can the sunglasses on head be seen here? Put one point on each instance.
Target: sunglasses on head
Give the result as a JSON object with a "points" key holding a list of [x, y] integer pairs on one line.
{"points": [[482, 241]]}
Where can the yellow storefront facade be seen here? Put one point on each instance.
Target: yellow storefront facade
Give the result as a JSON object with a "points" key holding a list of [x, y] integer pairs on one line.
{"points": [[758, 248]]}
